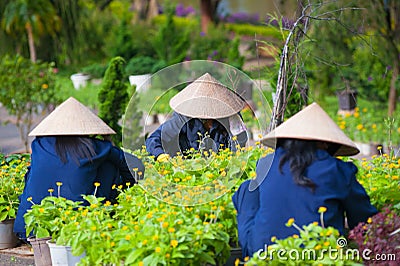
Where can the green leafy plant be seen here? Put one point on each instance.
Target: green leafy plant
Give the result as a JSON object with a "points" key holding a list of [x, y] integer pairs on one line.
{"points": [[113, 97], [48, 218], [12, 171]]}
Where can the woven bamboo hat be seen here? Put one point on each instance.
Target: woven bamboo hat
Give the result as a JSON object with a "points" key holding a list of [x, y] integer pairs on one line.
{"points": [[206, 98], [312, 123], [71, 118]]}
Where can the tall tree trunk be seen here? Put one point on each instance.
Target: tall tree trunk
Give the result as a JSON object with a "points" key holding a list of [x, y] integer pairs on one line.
{"points": [[206, 10], [392, 91], [31, 42]]}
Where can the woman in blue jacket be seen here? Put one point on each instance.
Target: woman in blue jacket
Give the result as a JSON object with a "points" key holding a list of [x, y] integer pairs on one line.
{"points": [[206, 117], [64, 153], [301, 176]]}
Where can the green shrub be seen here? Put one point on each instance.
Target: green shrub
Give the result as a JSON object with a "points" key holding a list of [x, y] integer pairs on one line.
{"points": [[252, 30], [95, 70], [113, 97], [142, 65]]}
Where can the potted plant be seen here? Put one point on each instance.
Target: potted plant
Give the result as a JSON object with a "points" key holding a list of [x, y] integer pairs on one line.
{"points": [[12, 172], [44, 222], [139, 70], [79, 80]]}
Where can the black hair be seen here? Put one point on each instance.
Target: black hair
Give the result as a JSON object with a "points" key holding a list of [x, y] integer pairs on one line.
{"points": [[74, 147], [300, 154]]}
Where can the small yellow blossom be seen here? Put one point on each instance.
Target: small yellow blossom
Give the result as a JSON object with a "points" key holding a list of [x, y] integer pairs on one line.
{"points": [[322, 209], [174, 243]]}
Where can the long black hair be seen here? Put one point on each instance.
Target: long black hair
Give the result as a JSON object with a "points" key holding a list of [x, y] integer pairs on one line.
{"points": [[74, 147], [300, 154]]}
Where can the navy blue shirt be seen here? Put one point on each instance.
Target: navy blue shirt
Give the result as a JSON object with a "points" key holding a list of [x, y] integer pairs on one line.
{"points": [[107, 167], [263, 212], [180, 133]]}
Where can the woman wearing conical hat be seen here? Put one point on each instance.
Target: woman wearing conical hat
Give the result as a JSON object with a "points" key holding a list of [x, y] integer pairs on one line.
{"points": [[65, 154], [301, 176], [206, 116]]}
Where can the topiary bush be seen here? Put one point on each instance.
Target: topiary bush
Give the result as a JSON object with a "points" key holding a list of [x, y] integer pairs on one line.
{"points": [[113, 97]]}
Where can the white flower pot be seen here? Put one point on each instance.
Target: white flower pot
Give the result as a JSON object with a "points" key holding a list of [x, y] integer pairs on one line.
{"points": [[79, 80], [142, 82]]}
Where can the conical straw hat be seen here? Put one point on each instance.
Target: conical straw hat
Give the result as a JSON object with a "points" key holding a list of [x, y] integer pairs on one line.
{"points": [[206, 98], [312, 123], [71, 118]]}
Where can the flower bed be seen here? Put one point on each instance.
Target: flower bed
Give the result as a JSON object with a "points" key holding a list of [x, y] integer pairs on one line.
{"points": [[12, 172], [181, 212]]}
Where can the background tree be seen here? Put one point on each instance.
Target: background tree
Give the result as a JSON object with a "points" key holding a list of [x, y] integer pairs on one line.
{"points": [[27, 90], [33, 17], [113, 97], [208, 10]]}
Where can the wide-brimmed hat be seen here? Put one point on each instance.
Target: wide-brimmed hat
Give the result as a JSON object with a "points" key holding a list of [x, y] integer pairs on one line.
{"points": [[312, 123], [71, 118], [207, 98]]}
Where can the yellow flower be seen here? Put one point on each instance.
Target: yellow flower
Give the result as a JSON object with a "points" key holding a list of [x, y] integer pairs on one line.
{"points": [[326, 243], [295, 236], [322, 209], [112, 244], [290, 222], [360, 126], [59, 184], [124, 228], [369, 220], [141, 263], [41, 210], [50, 190], [171, 230], [96, 184], [167, 255], [318, 247], [165, 224], [107, 203], [273, 239], [158, 250], [93, 228], [128, 237], [174, 243], [45, 86], [155, 237]]}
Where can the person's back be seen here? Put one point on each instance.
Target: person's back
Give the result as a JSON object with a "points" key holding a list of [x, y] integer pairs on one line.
{"points": [[297, 179], [66, 162]]}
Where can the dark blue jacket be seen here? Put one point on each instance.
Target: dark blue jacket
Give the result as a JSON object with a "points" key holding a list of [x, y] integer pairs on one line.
{"points": [[107, 167], [263, 213], [180, 133]]}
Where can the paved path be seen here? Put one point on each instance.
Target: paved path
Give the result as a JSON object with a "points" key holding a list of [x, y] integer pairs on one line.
{"points": [[10, 141]]}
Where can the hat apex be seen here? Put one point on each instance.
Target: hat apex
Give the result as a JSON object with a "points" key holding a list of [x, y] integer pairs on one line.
{"points": [[207, 98]]}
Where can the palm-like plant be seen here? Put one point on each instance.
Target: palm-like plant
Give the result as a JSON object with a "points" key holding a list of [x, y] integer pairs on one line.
{"points": [[37, 17]]}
